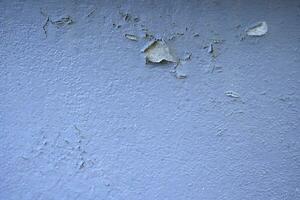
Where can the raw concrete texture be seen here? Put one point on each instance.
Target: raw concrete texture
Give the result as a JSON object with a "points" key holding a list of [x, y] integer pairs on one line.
{"points": [[83, 117]]}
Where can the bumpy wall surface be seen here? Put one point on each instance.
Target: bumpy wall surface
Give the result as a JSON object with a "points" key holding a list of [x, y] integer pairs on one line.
{"points": [[82, 116]]}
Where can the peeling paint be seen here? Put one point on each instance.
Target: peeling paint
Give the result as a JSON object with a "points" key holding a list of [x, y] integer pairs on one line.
{"points": [[131, 37], [63, 21], [82, 116], [232, 94], [157, 52], [258, 29]]}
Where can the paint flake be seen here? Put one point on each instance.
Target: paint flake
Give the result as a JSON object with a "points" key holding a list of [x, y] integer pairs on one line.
{"points": [[63, 21], [158, 51], [131, 37], [210, 48], [45, 26], [187, 56], [91, 13], [232, 94], [258, 29], [180, 75], [149, 36], [179, 71]]}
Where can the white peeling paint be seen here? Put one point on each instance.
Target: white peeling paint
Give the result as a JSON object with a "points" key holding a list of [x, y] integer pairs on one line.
{"points": [[258, 29], [158, 51]]}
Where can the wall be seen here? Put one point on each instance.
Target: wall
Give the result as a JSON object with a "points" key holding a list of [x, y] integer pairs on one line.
{"points": [[83, 117]]}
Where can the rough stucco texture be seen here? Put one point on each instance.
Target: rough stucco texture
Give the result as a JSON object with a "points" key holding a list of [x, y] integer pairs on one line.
{"points": [[83, 117]]}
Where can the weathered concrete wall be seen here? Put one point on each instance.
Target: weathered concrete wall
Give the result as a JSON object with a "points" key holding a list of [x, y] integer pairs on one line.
{"points": [[83, 117]]}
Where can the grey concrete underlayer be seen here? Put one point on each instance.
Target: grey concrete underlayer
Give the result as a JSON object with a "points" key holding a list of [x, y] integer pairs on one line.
{"points": [[83, 117]]}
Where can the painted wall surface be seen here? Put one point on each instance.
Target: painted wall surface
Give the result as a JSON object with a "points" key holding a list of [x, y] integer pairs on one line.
{"points": [[83, 117]]}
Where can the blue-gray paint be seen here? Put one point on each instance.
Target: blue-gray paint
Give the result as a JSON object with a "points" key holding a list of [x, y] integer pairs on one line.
{"points": [[82, 116]]}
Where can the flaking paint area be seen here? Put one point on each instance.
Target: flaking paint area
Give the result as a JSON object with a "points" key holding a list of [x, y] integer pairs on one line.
{"points": [[83, 117]]}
